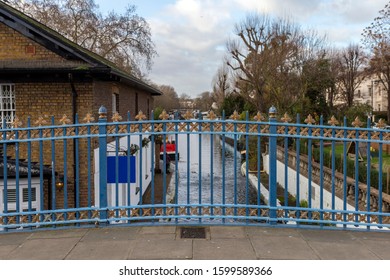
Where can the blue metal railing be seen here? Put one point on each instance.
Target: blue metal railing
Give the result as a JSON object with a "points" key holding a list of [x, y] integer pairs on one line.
{"points": [[48, 165]]}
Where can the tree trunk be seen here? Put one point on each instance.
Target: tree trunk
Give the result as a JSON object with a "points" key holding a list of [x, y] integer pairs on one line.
{"points": [[388, 102]]}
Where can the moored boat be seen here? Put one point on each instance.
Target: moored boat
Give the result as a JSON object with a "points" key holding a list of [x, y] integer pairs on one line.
{"points": [[170, 149]]}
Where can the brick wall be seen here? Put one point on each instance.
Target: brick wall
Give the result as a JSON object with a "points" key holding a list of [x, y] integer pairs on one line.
{"points": [[34, 100], [15, 46], [127, 97], [49, 99]]}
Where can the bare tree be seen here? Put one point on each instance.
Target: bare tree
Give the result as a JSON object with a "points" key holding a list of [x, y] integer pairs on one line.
{"points": [[376, 39], [125, 39], [204, 101], [221, 85], [334, 69], [351, 62], [169, 100], [186, 102], [267, 59]]}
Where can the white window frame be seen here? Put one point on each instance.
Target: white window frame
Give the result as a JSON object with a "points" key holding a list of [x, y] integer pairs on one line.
{"points": [[115, 101], [7, 104]]}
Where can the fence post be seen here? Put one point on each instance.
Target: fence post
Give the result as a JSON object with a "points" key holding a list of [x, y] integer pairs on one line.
{"points": [[103, 162], [272, 165]]}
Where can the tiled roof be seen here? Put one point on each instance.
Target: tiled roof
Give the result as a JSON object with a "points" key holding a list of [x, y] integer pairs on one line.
{"points": [[11, 167]]}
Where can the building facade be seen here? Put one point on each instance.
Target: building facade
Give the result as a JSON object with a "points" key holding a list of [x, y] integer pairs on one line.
{"points": [[370, 91], [44, 75]]}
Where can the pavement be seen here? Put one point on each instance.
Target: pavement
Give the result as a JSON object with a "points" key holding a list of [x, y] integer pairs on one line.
{"points": [[219, 243]]}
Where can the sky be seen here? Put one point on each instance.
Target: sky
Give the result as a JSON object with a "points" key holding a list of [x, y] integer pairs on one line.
{"points": [[191, 35]]}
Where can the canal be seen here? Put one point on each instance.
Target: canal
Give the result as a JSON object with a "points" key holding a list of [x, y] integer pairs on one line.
{"points": [[209, 176]]}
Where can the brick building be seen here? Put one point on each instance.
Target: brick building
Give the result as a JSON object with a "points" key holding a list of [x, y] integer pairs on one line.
{"points": [[43, 74]]}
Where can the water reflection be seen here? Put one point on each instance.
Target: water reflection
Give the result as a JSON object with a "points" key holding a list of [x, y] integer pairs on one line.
{"points": [[204, 177]]}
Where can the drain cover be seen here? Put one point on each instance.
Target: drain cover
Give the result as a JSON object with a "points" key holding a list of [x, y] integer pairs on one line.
{"points": [[193, 233]]}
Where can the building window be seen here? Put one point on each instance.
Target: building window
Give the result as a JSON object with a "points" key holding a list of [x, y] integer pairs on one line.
{"points": [[7, 104], [379, 107], [359, 93], [25, 193], [115, 103]]}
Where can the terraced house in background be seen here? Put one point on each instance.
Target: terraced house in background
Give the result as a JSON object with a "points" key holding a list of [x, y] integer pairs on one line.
{"points": [[42, 74]]}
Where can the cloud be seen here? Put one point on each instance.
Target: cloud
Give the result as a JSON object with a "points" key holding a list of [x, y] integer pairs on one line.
{"points": [[300, 9], [190, 40], [187, 64], [357, 11], [203, 15], [190, 35]]}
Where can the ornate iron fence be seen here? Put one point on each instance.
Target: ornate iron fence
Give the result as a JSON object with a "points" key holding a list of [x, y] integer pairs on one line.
{"points": [[220, 171]]}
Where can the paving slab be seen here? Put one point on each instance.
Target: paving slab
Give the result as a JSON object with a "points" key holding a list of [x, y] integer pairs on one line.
{"points": [[158, 250], [261, 232], [371, 235], [60, 233], [122, 233], [283, 248], [223, 249], [342, 251], [13, 238], [47, 249], [336, 236], [103, 250], [5, 250], [380, 248], [227, 232], [157, 236], [158, 230]]}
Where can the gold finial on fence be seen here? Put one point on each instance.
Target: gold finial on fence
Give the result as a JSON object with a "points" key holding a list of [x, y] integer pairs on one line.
{"points": [[235, 116], [381, 123], [140, 117], [259, 117], [211, 115], [310, 120], [88, 118], [286, 118], [164, 115], [188, 115], [333, 121], [357, 122], [116, 117], [40, 122], [16, 123], [65, 120]]}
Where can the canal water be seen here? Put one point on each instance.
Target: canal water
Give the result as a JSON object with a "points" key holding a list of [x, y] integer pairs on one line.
{"points": [[205, 177]]}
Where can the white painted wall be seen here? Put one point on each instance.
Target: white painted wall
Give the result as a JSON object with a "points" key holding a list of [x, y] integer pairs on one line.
{"points": [[123, 188], [304, 187]]}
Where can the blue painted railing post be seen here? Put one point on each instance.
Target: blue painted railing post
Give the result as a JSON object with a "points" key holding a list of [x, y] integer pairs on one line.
{"points": [[272, 165], [103, 162]]}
